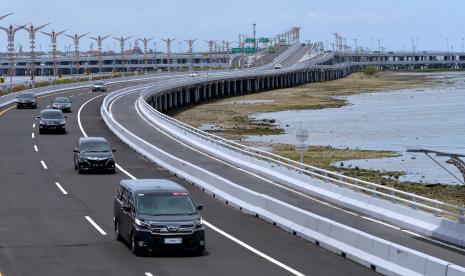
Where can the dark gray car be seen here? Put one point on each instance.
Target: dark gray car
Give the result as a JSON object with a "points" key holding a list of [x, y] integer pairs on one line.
{"points": [[52, 120], [61, 103], [157, 214], [94, 154], [26, 99]]}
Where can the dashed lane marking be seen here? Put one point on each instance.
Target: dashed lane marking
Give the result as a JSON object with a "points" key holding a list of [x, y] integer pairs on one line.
{"points": [[95, 225], [35, 148], [43, 165], [61, 188]]}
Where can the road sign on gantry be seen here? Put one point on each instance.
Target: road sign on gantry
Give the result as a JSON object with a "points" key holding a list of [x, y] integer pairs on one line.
{"points": [[250, 40], [264, 40], [250, 50], [237, 50]]}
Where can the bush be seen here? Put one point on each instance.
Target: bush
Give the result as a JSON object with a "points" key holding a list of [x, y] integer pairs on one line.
{"points": [[370, 70]]}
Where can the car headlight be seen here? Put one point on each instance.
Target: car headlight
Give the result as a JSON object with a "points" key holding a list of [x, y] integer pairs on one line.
{"points": [[198, 223], [141, 223]]}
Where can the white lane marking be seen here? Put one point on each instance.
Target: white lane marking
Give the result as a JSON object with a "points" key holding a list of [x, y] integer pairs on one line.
{"points": [[250, 248], [33, 135], [33, 125], [91, 221], [43, 165], [381, 222], [146, 274], [61, 188], [433, 240], [35, 148], [214, 228]]}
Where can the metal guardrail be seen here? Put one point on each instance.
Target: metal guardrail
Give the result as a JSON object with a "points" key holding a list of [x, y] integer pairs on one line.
{"points": [[433, 206]]}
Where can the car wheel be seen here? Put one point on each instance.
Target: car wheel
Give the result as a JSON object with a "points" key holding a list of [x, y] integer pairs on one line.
{"points": [[117, 232], [134, 247], [79, 170], [199, 251], [41, 131], [75, 166]]}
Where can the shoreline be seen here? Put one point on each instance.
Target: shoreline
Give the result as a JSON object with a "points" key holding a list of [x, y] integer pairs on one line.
{"points": [[231, 118]]}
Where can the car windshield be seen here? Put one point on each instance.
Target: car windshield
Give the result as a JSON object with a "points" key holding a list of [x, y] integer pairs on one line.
{"points": [[52, 115], [165, 204], [99, 83], [95, 146], [26, 96], [61, 100]]}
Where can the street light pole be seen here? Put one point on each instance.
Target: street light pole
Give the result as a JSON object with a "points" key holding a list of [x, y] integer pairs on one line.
{"points": [[99, 40], [11, 31], [76, 38], [32, 41], [53, 36]]}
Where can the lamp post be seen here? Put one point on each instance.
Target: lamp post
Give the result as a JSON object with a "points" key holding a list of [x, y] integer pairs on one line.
{"points": [[168, 51], [190, 42], [99, 40], [32, 41], [53, 36], [145, 41], [11, 31], [122, 41], [301, 136], [76, 38]]}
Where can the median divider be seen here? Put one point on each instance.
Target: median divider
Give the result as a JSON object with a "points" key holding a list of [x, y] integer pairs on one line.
{"points": [[370, 251]]}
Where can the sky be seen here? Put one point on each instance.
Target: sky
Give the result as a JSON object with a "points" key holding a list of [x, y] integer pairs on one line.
{"points": [[394, 22]]}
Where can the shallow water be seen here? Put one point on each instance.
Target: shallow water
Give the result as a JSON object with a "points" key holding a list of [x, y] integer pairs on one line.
{"points": [[430, 118]]}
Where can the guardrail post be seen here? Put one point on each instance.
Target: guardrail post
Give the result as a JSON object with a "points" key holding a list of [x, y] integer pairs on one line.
{"points": [[461, 219], [414, 200], [393, 194], [438, 213], [374, 194]]}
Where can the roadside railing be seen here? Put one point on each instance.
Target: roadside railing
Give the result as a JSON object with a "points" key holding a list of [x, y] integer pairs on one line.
{"points": [[393, 195]]}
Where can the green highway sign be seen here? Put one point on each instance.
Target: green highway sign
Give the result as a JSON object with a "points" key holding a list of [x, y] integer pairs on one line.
{"points": [[264, 40], [250, 50], [236, 50], [250, 40]]}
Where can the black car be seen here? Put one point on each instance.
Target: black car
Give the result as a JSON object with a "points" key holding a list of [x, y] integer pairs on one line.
{"points": [[26, 99], [61, 103], [157, 214], [93, 153], [52, 120]]}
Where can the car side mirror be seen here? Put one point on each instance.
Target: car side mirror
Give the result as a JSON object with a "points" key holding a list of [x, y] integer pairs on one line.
{"points": [[113, 150], [125, 208], [75, 150], [199, 206], [37, 117]]}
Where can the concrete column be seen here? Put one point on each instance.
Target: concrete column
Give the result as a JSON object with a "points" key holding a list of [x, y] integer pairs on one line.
{"points": [[197, 94], [209, 91], [204, 91], [165, 102]]}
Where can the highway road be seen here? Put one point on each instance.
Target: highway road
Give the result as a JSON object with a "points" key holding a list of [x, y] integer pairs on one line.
{"points": [[56, 222], [125, 112], [47, 212]]}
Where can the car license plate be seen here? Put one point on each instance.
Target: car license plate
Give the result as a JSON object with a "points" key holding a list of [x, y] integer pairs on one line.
{"points": [[173, 240]]}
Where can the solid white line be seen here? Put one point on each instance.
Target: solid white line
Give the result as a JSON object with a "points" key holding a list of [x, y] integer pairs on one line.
{"points": [[95, 225], [148, 274], [433, 240], [33, 135], [61, 188], [250, 248], [79, 113], [43, 165], [33, 125], [35, 148], [381, 222]]}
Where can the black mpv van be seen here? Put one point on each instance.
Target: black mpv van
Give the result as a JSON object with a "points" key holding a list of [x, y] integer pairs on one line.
{"points": [[157, 214]]}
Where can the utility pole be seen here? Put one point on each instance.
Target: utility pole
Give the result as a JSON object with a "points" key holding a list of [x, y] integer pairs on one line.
{"points": [[53, 36], [145, 41], [122, 40], [11, 31], [32, 41], [190, 42], [99, 40], [168, 42], [76, 38]]}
